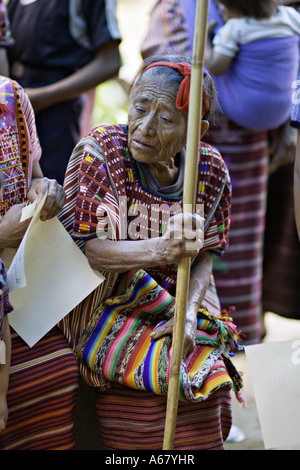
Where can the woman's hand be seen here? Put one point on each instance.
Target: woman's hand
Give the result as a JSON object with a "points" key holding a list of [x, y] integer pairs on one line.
{"points": [[183, 237], [55, 196], [189, 339], [199, 281]]}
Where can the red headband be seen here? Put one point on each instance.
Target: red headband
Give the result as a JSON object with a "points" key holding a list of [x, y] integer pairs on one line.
{"points": [[183, 95]]}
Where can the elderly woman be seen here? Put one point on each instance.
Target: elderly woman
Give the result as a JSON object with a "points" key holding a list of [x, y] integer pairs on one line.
{"points": [[122, 184]]}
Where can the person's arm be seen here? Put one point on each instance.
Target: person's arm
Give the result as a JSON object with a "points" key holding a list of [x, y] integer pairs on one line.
{"points": [[4, 377], [11, 229], [120, 256], [198, 285], [124, 255], [103, 67], [216, 63], [297, 184]]}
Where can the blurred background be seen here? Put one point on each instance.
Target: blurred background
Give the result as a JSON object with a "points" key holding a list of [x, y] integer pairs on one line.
{"points": [[110, 106]]}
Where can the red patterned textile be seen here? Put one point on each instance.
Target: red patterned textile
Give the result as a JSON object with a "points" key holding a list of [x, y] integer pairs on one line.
{"points": [[42, 395], [130, 419]]}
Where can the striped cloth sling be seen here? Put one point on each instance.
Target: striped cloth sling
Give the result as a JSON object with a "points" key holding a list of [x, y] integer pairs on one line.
{"points": [[117, 345]]}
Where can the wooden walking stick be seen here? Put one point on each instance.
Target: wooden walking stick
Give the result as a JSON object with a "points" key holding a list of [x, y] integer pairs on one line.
{"points": [[189, 194]]}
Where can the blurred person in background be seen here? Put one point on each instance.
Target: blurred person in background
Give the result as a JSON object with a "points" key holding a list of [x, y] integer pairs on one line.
{"points": [[60, 51]]}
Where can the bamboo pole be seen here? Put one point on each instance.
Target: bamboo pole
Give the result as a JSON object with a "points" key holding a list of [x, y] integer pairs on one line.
{"points": [[189, 194]]}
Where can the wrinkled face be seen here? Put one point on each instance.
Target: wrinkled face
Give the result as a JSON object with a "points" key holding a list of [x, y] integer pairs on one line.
{"points": [[157, 130]]}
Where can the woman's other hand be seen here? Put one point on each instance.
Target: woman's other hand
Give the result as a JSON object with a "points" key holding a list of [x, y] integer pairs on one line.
{"points": [[189, 339]]}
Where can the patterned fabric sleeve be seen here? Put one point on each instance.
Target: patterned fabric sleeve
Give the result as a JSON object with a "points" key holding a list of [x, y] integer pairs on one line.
{"points": [[97, 208], [34, 148]]}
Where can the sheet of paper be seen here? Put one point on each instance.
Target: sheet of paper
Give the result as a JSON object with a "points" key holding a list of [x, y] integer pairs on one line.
{"points": [[49, 276], [275, 375], [14, 258]]}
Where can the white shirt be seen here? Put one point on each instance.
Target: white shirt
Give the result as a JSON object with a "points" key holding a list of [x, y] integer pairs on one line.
{"points": [[236, 31]]}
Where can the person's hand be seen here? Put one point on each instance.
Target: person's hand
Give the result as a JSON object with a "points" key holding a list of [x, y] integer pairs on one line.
{"points": [[55, 198], [183, 237], [3, 412], [189, 339]]}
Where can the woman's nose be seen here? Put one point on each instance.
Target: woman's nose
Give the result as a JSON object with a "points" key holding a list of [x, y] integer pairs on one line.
{"points": [[147, 126]]}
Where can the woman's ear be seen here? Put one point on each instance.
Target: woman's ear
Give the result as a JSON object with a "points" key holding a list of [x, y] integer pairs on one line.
{"points": [[204, 127]]}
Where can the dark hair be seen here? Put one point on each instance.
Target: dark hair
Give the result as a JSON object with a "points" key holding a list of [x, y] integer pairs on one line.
{"points": [[175, 78], [255, 8]]}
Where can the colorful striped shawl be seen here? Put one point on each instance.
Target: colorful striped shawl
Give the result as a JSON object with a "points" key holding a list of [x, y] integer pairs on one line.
{"points": [[117, 345]]}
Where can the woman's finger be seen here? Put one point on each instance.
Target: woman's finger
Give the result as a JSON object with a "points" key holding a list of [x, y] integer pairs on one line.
{"points": [[166, 329]]}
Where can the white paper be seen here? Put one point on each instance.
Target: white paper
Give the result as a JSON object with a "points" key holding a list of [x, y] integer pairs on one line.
{"points": [[29, 210], [16, 277], [275, 375], [49, 277]]}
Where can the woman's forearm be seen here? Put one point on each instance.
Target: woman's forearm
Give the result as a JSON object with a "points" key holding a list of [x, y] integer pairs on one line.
{"points": [[124, 255], [199, 281], [121, 256]]}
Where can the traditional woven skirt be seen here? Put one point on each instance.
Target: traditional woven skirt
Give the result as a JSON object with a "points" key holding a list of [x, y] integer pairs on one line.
{"points": [[132, 419], [42, 395], [281, 279], [238, 274]]}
